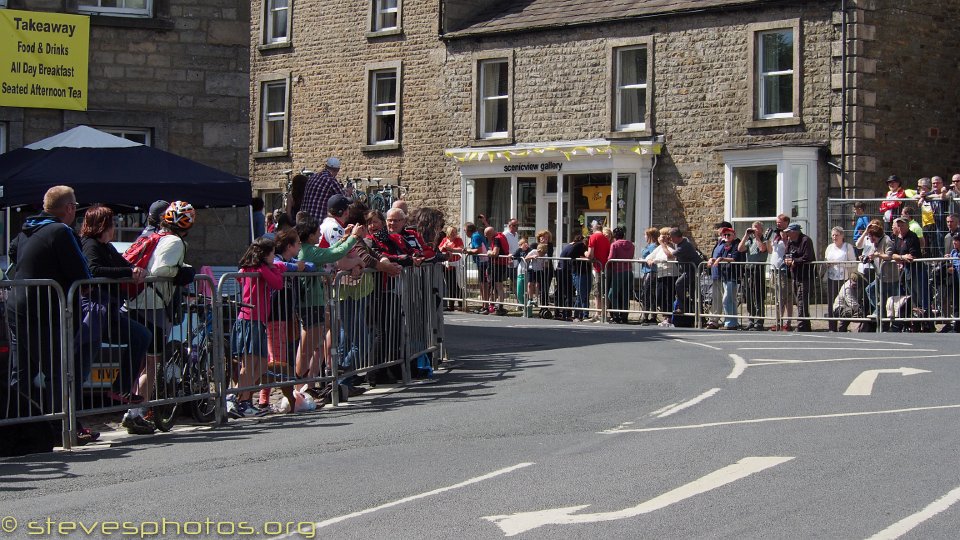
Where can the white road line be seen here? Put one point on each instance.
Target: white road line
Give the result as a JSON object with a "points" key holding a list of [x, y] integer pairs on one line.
{"points": [[661, 409], [688, 404], [876, 341], [513, 524], [698, 344], [903, 526], [739, 366], [835, 349], [771, 361], [465, 483], [779, 419], [774, 342]]}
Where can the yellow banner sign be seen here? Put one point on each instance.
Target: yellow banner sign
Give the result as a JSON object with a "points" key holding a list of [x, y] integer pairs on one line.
{"points": [[43, 59]]}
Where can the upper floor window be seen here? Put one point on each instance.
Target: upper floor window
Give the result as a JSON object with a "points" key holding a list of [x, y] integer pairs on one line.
{"points": [[384, 103], [631, 89], [274, 99], [123, 8], [137, 135], [276, 22], [385, 15], [494, 99], [776, 71]]}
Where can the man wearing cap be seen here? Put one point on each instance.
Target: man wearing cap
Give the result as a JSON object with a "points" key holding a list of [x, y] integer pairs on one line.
{"points": [[895, 192], [725, 278], [320, 187], [799, 254]]}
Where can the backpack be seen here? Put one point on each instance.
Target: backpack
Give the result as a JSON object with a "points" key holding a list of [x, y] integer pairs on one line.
{"points": [[138, 255]]}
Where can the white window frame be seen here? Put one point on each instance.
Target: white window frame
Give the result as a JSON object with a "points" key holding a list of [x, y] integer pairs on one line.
{"points": [[789, 161], [146, 11], [375, 110], [380, 10], [266, 117], [485, 101], [620, 87], [762, 75], [271, 11], [126, 132]]}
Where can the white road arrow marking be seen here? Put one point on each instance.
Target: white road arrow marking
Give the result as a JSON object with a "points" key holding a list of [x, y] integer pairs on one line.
{"points": [[863, 384], [514, 524]]}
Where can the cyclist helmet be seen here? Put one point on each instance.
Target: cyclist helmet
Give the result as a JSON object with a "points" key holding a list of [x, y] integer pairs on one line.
{"points": [[180, 215]]}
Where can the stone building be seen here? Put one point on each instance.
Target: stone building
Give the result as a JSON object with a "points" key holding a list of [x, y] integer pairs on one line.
{"points": [[168, 73], [563, 112]]}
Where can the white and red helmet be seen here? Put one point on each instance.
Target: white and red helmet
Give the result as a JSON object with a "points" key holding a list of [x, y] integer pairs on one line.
{"points": [[179, 215]]}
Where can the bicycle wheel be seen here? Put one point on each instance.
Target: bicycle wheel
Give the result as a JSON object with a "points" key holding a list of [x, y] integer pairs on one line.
{"points": [[169, 384], [201, 380]]}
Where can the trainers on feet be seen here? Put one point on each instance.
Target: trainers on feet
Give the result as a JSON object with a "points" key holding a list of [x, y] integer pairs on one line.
{"points": [[137, 425], [233, 411]]}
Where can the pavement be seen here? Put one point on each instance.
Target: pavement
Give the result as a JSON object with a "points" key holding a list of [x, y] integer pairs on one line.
{"points": [[540, 429]]}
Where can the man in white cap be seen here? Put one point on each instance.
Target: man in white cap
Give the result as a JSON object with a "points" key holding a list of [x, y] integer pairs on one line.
{"points": [[320, 187]]}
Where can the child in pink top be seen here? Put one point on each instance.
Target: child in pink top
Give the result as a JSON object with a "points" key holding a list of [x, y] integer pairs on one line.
{"points": [[249, 336]]}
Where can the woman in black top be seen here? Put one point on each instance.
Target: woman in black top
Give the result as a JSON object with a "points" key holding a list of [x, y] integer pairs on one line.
{"points": [[101, 310]]}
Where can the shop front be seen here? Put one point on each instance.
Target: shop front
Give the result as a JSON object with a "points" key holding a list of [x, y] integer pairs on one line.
{"points": [[563, 187]]}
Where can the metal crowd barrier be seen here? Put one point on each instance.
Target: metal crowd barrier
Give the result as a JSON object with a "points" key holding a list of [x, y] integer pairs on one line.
{"points": [[32, 389], [57, 374]]}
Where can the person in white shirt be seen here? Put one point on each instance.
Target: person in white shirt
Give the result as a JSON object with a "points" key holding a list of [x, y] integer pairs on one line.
{"points": [[331, 228], [843, 262], [513, 239]]}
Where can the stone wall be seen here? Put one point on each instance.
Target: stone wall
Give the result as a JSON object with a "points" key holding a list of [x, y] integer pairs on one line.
{"points": [[184, 75], [906, 81]]}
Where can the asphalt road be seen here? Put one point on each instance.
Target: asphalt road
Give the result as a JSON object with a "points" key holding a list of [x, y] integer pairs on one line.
{"points": [[553, 430]]}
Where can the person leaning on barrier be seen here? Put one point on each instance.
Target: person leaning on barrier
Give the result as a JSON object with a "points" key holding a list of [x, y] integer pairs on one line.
{"points": [[151, 305], [648, 278], [620, 284], [663, 261], [153, 217], [953, 278], [755, 254], [46, 248], [906, 249], [887, 283], [798, 256], [499, 270], [842, 256], [725, 271], [108, 323], [688, 260]]}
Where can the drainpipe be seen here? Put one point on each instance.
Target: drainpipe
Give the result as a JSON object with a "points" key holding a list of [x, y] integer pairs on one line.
{"points": [[843, 99]]}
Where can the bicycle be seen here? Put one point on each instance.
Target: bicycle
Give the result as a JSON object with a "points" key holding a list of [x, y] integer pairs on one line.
{"points": [[383, 197], [188, 370]]}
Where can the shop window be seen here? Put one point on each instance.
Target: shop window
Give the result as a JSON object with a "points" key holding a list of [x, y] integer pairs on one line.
{"points": [[143, 136], [490, 197], [493, 114], [273, 117], [3, 137], [276, 22], [118, 8], [755, 193], [383, 106], [775, 71], [631, 89], [384, 16], [3, 3]]}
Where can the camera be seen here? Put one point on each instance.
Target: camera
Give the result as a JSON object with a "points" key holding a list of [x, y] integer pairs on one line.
{"points": [[767, 234]]}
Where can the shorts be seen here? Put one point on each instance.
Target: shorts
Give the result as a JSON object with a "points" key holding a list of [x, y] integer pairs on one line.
{"points": [[535, 276], [311, 317], [249, 338], [500, 272], [156, 322]]}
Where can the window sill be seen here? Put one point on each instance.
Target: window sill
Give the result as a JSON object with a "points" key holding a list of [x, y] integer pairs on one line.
{"points": [[275, 46], [384, 33], [774, 122], [492, 142], [629, 134], [379, 147], [271, 154], [129, 21]]}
